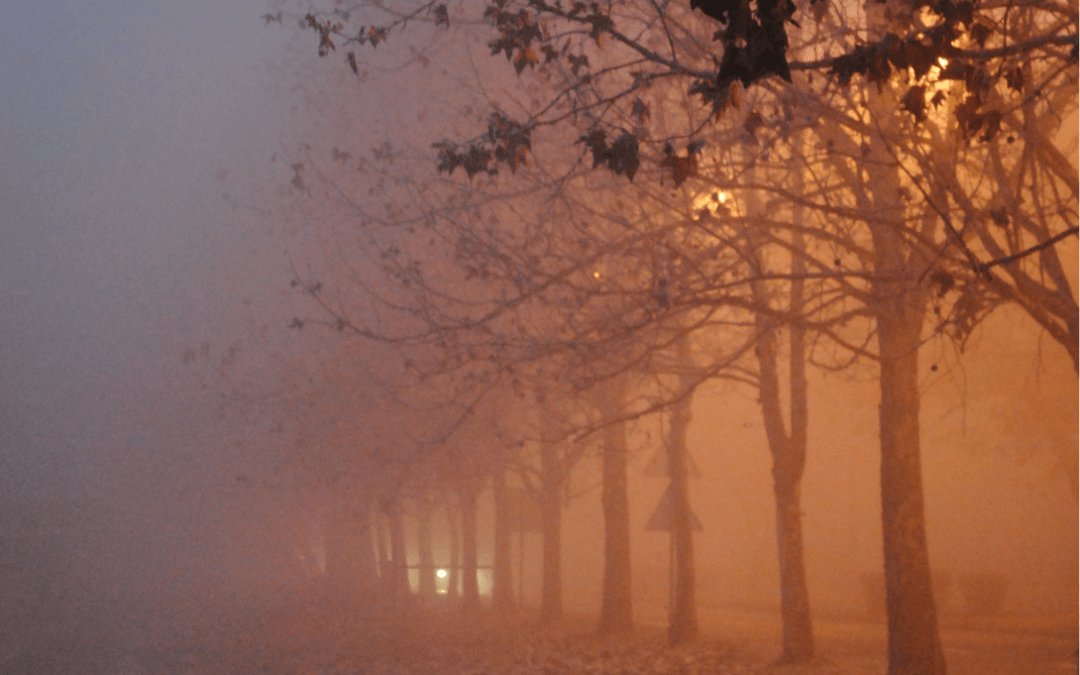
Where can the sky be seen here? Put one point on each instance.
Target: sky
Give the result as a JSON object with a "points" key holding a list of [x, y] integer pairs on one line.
{"points": [[135, 226], [125, 124]]}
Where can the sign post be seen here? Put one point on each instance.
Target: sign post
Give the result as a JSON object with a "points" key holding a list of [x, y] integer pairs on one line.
{"points": [[660, 520]]}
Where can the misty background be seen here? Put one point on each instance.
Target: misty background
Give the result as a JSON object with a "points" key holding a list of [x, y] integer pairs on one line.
{"points": [[146, 251], [136, 181]]}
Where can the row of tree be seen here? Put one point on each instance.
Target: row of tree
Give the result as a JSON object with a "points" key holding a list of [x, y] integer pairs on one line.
{"points": [[896, 181]]}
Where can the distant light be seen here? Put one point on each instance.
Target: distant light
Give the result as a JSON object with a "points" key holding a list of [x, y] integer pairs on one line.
{"points": [[943, 61], [708, 203], [442, 575], [596, 274]]}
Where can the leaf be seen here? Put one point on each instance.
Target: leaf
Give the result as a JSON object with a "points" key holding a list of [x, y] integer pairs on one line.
{"points": [[624, 155], [621, 157], [752, 122], [844, 67], [720, 10], [1015, 79], [967, 113], [525, 57], [376, 35], [351, 58], [681, 167], [992, 123], [442, 17], [596, 142], [1000, 216], [920, 58], [577, 62], [938, 99], [720, 97], [915, 102], [600, 23], [943, 280], [981, 29], [895, 51]]}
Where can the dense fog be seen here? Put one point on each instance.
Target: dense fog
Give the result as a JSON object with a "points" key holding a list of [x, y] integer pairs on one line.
{"points": [[163, 473]]}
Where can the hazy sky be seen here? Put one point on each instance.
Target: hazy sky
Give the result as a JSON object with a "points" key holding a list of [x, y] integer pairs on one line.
{"points": [[125, 124]]}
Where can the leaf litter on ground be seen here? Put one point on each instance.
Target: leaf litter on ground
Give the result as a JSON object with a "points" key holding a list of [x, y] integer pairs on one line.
{"points": [[451, 642]]}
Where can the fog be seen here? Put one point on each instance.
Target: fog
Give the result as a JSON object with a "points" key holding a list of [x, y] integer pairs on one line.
{"points": [[147, 245], [137, 141]]}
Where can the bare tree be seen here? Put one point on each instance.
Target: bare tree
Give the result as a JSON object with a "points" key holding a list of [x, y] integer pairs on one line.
{"points": [[894, 256]]}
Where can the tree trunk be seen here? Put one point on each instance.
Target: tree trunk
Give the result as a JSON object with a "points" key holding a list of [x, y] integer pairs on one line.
{"points": [[469, 587], [789, 460], [502, 587], [453, 581], [615, 606], [682, 624], [366, 555], [399, 571], [788, 450], [900, 308], [914, 640], [551, 518], [382, 560], [425, 550]]}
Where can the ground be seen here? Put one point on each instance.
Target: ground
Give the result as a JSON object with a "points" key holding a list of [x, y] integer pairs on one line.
{"points": [[311, 640]]}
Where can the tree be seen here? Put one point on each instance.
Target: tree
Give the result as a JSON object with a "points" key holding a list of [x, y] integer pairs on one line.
{"points": [[616, 607], [787, 443], [683, 626], [913, 253]]}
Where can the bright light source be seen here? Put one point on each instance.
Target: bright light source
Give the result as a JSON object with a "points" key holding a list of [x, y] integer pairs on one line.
{"points": [[943, 61], [596, 274], [441, 574], [709, 203]]}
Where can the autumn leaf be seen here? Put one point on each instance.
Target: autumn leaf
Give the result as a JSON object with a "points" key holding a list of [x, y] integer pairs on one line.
{"points": [[1015, 79], [442, 18], [621, 157], [681, 167], [981, 29], [915, 102], [376, 35], [577, 62], [753, 121], [525, 57], [595, 142], [992, 124], [624, 155]]}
